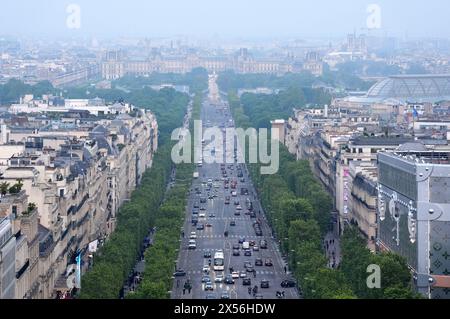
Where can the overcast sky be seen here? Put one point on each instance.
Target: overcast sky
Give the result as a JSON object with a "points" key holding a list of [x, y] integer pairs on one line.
{"points": [[227, 18]]}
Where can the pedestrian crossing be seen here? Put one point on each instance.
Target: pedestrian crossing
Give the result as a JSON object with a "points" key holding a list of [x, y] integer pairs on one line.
{"points": [[229, 236], [250, 275]]}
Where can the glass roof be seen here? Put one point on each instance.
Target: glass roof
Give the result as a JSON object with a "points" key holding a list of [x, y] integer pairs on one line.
{"points": [[412, 86]]}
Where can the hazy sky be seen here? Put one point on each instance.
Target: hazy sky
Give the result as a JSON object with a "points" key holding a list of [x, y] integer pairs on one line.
{"points": [[227, 18]]}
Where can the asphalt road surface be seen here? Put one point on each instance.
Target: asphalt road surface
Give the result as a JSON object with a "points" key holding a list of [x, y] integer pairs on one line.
{"points": [[218, 215]]}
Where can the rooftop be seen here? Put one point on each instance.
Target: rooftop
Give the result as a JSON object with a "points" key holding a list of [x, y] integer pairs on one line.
{"points": [[416, 88]]}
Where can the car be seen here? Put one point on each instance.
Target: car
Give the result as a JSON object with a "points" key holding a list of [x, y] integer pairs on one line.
{"points": [[232, 223], [237, 213], [208, 225], [250, 269], [227, 202], [236, 203], [243, 274], [258, 262], [211, 296], [236, 252], [235, 275], [238, 207], [225, 295], [206, 279], [265, 284], [255, 248], [203, 200], [258, 296], [209, 286], [192, 244], [268, 262], [202, 208], [247, 253], [218, 279], [212, 215], [288, 283], [252, 243], [263, 244], [196, 205], [247, 282], [207, 254], [200, 227], [247, 264], [206, 269], [241, 240], [228, 280], [236, 246], [252, 215], [179, 273], [201, 215]]}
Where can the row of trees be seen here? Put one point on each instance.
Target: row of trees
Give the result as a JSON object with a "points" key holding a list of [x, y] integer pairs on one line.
{"points": [[11, 91], [298, 210], [230, 81], [159, 259], [197, 80], [265, 108]]}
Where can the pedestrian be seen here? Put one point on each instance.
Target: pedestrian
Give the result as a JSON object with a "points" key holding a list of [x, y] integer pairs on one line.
{"points": [[285, 269], [184, 291], [249, 290]]}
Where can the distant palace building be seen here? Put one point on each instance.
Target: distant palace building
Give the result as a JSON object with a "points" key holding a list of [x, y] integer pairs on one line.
{"points": [[115, 64]]}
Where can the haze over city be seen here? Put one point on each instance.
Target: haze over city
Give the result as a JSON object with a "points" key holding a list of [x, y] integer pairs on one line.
{"points": [[233, 18]]}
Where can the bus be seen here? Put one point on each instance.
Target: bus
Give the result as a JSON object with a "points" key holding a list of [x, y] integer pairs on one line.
{"points": [[219, 261]]}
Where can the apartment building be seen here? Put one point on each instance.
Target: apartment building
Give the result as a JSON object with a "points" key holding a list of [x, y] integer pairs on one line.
{"points": [[76, 174]]}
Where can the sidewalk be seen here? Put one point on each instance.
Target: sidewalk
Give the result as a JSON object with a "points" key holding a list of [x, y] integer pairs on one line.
{"points": [[333, 249]]}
